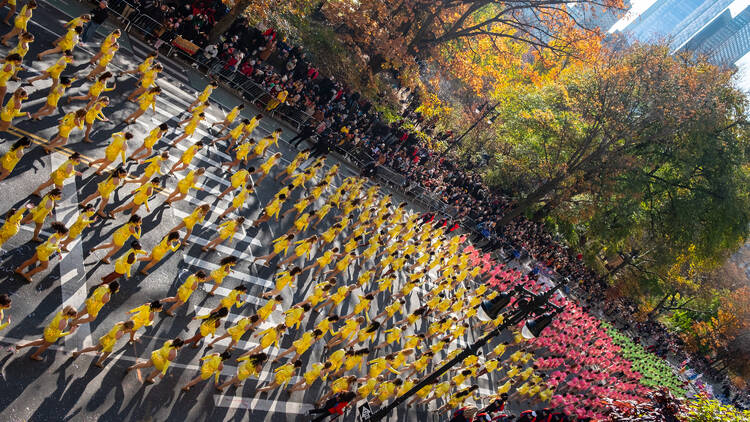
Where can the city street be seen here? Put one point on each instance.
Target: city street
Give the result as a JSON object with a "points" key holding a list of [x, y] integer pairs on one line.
{"points": [[61, 388]]}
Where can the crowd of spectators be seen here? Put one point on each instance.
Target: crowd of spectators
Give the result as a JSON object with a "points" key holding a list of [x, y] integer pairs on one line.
{"points": [[342, 119]]}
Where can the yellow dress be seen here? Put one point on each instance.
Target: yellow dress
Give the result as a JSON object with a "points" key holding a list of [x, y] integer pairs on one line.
{"points": [[122, 266], [11, 159], [302, 344], [52, 332], [241, 197], [56, 69], [337, 359], [268, 165], [146, 64], [6, 72], [393, 335], [108, 340], [95, 113], [233, 299], [148, 78], [67, 124], [146, 100], [48, 248], [236, 131], [153, 136], [22, 18], [238, 330], [189, 154], [367, 388], [163, 247], [314, 373], [122, 234], [210, 367], [220, 273], [265, 311], [116, 147], [208, 327], [21, 48], [69, 40], [160, 357], [96, 89], [227, 230], [94, 303], [269, 337], [142, 193], [205, 94], [193, 218], [284, 374], [11, 225], [246, 369], [187, 288], [293, 317], [238, 178], [272, 209], [233, 113], [11, 110], [186, 183], [40, 211], [141, 317]]}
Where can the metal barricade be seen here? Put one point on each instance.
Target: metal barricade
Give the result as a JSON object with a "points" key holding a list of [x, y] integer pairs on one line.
{"points": [[147, 25]]}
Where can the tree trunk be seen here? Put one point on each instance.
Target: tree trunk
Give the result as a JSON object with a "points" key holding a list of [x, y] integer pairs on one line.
{"points": [[657, 309], [227, 20], [531, 199]]}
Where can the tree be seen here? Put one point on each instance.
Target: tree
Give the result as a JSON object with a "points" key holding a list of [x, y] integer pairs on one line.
{"points": [[258, 10], [401, 32], [618, 133]]}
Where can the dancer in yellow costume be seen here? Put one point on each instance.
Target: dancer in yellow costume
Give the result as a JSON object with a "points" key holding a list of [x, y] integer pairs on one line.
{"points": [[43, 252], [106, 45], [94, 303], [105, 190], [236, 331], [12, 223], [147, 79], [117, 147], [12, 109], [280, 245], [66, 125], [189, 222], [144, 66], [208, 327], [107, 342], [85, 218], [53, 72], [160, 360], [143, 316], [283, 374], [10, 66], [184, 185], [186, 158], [184, 292], [203, 96], [39, 213], [11, 158], [141, 196], [218, 275], [229, 118], [95, 90], [63, 172], [251, 365], [233, 135], [55, 93], [93, 114], [190, 128], [120, 236], [170, 242], [20, 22], [211, 367], [272, 210], [52, 333], [145, 101], [146, 149], [227, 230], [237, 180]]}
